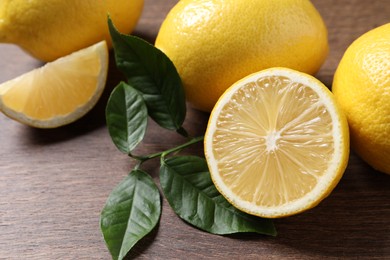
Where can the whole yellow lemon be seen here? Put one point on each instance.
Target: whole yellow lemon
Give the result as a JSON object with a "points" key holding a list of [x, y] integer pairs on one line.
{"points": [[214, 43], [49, 29], [362, 87]]}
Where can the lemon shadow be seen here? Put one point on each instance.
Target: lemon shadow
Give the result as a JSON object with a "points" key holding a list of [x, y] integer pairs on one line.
{"points": [[349, 223]]}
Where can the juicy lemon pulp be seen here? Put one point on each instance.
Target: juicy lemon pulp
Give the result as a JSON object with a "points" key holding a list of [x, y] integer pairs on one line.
{"points": [[274, 144], [59, 92], [259, 145]]}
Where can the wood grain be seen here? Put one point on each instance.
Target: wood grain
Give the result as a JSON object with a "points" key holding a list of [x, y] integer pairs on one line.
{"points": [[54, 183]]}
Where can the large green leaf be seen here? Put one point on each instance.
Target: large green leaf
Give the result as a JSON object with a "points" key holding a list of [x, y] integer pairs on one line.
{"points": [[188, 187], [126, 116], [153, 74], [132, 210]]}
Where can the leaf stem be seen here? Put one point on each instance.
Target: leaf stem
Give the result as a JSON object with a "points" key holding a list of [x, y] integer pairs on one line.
{"points": [[182, 146], [142, 159]]}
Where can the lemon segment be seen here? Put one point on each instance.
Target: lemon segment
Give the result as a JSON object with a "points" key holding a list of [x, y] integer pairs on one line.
{"points": [[60, 92], [276, 143]]}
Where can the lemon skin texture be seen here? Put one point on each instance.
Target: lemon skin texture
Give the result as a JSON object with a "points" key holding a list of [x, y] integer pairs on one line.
{"points": [[49, 29], [362, 88], [214, 43]]}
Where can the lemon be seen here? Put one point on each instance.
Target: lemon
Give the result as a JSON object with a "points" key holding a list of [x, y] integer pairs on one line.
{"points": [[58, 93], [276, 143], [362, 87], [49, 29], [214, 43]]}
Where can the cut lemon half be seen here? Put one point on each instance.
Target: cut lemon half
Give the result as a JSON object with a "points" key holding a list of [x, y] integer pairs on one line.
{"points": [[276, 143], [58, 93]]}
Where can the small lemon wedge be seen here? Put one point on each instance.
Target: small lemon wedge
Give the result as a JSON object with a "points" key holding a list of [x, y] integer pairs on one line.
{"points": [[58, 93], [276, 143]]}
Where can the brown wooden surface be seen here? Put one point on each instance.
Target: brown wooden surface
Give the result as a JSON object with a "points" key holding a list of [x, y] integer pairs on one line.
{"points": [[54, 183]]}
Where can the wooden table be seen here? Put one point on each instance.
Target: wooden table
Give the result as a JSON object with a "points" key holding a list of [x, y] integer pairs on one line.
{"points": [[54, 183]]}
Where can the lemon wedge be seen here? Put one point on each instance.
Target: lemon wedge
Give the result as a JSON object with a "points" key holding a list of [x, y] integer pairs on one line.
{"points": [[276, 143], [60, 92]]}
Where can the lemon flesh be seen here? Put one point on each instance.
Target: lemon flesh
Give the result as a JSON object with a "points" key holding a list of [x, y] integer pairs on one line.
{"points": [[276, 143], [58, 93]]}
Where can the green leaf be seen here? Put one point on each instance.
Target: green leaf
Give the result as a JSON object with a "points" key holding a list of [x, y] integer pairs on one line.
{"points": [[153, 74], [132, 210], [127, 117], [188, 187]]}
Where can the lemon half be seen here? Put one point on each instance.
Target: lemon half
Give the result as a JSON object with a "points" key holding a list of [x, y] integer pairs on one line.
{"points": [[276, 143]]}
